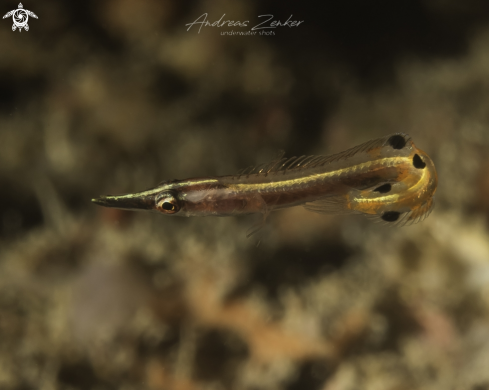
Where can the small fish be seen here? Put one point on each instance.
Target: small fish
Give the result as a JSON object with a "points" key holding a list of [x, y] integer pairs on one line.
{"points": [[388, 179]]}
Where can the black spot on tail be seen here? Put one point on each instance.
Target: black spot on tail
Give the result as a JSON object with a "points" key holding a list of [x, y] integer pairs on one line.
{"points": [[391, 216], [384, 188], [418, 162], [397, 141]]}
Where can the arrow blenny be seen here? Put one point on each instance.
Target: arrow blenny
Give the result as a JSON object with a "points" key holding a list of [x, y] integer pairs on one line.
{"points": [[388, 179]]}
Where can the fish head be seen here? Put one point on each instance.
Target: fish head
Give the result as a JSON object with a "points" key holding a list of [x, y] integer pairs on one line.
{"points": [[163, 199]]}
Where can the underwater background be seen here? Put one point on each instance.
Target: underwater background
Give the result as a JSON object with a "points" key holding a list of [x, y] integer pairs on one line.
{"points": [[114, 96]]}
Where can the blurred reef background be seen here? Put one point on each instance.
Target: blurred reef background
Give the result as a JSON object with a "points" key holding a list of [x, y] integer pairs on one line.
{"points": [[114, 96]]}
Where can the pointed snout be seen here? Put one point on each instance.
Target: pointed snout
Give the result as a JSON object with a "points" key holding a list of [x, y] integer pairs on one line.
{"points": [[139, 201]]}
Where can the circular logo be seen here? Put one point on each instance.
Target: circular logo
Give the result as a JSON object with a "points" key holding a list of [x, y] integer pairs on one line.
{"points": [[20, 17]]}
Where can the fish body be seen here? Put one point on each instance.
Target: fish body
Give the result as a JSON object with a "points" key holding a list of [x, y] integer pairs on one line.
{"points": [[387, 179]]}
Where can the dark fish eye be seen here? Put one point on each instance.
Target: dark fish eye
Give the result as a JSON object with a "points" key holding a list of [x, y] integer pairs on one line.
{"points": [[390, 216], [418, 162], [397, 141], [384, 188], [168, 206]]}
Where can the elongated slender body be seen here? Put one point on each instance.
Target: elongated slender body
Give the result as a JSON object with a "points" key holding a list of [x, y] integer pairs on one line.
{"points": [[387, 178]]}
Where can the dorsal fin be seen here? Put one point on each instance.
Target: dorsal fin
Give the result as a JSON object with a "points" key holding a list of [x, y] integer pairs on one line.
{"points": [[297, 163]]}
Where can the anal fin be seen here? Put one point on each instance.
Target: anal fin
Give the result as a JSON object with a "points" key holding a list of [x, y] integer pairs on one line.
{"points": [[330, 205]]}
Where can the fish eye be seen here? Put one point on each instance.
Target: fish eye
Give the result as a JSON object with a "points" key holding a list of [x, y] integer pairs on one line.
{"points": [[391, 216], [168, 205], [418, 162], [384, 188], [397, 141]]}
